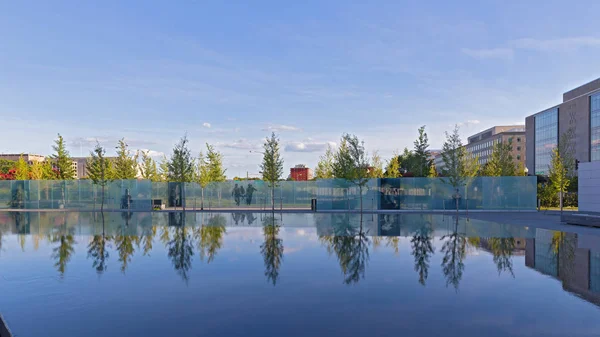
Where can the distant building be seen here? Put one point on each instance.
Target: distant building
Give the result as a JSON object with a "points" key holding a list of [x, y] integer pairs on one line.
{"points": [[301, 173], [30, 158], [579, 111], [482, 144], [80, 166]]}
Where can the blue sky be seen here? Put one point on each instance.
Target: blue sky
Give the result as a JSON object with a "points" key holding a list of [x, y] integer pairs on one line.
{"points": [[229, 74]]}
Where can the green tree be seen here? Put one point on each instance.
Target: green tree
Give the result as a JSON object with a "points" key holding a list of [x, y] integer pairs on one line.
{"points": [[148, 168], [376, 170], [6, 165], [98, 167], [351, 163], [62, 160], [324, 169], [422, 156], [408, 161], [455, 252], [558, 175], [501, 163], [126, 163], [272, 165], [181, 250], [432, 171], [562, 165], [42, 171], [201, 175], [214, 160], [392, 169], [163, 169], [453, 155], [181, 166], [21, 169]]}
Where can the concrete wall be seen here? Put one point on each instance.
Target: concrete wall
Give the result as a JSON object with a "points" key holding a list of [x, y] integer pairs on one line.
{"points": [[530, 140], [576, 114], [584, 89], [589, 187]]}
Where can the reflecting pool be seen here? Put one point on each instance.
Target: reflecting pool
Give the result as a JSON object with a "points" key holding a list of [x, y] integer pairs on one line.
{"points": [[255, 274]]}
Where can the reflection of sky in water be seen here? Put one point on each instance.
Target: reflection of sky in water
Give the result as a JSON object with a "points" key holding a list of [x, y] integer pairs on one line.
{"points": [[234, 295]]}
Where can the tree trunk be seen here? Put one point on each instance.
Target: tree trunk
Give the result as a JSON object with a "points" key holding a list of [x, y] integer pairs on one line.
{"points": [[202, 199], [102, 202], [561, 201], [183, 196], [273, 196]]}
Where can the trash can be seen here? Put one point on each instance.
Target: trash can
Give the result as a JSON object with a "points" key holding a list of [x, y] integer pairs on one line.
{"points": [[313, 205]]}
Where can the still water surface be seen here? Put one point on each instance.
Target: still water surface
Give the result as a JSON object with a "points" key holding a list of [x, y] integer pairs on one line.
{"points": [[149, 274]]}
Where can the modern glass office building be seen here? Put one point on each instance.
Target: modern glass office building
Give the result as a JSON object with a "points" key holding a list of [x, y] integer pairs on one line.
{"points": [[579, 112], [546, 138]]}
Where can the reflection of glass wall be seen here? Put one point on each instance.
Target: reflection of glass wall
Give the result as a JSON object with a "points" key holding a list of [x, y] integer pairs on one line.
{"points": [[546, 138], [595, 127], [595, 272]]}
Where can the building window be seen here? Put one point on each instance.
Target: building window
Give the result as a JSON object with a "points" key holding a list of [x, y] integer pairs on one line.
{"points": [[518, 157], [518, 148], [546, 139], [518, 139], [595, 127]]}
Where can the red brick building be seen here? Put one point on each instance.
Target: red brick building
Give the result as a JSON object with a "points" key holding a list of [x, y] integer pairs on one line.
{"points": [[301, 173]]}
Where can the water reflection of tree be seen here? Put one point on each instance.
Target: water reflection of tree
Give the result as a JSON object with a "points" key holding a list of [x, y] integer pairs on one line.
{"points": [[455, 251], [97, 250], [563, 247], [148, 239], [64, 251], [181, 249], [351, 247], [502, 250], [422, 250], [210, 237], [125, 243], [272, 248]]}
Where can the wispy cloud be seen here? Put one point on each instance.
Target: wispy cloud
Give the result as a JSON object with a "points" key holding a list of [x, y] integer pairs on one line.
{"points": [[307, 146], [280, 128], [494, 53], [241, 144], [206, 125], [468, 123], [560, 44], [153, 153], [544, 45]]}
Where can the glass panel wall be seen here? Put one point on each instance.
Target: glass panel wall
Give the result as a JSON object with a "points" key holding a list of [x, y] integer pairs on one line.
{"points": [[595, 127], [546, 139], [335, 194]]}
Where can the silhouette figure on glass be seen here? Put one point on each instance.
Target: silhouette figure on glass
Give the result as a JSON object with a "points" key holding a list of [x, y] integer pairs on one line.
{"points": [[242, 193], [455, 251], [126, 200], [236, 218], [272, 248], [236, 193], [250, 217], [249, 191]]}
